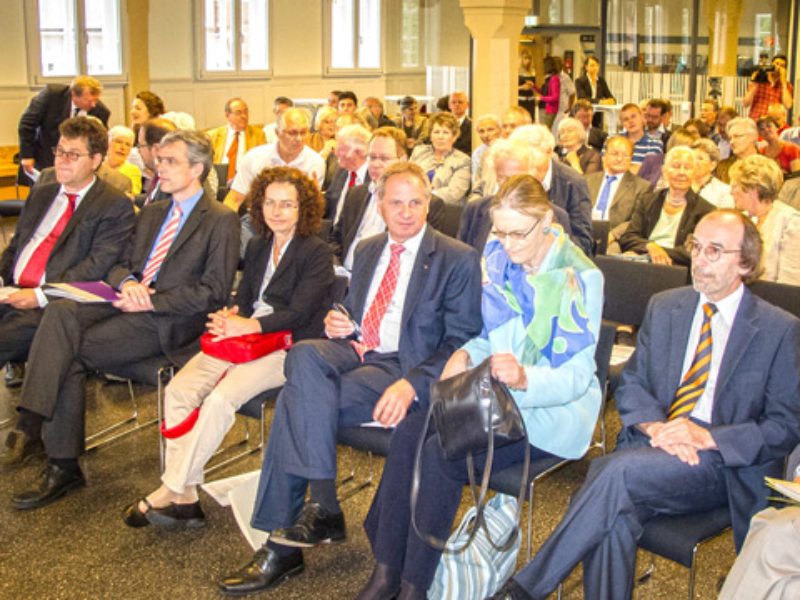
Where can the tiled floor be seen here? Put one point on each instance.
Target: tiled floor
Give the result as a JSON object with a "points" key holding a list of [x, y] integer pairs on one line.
{"points": [[79, 547]]}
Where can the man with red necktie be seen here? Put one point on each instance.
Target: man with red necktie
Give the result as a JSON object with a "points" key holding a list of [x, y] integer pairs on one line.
{"points": [[414, 299], [178, 267], [708, 404], [71, 230]]}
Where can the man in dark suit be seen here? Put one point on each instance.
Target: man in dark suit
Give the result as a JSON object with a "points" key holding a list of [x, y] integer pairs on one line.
{"points": [[70, 230], [583, 111], [151, 133], [415, 294], [615, 190], [709, 407], [360, 217], [352, 142], [38, 125], [507, 158], [458, 103], [565, 186], [178, 267]]}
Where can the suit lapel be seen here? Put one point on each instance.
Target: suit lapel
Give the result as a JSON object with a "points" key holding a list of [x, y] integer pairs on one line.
{"points": [[159, 211], [419, 275], [41, 211], [624, 192], [742, 332], [680, 325], [192, 223]]}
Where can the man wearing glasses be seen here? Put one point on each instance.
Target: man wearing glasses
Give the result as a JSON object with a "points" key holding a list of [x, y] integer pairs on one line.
{"points": [[708, 404], [72, 229]]}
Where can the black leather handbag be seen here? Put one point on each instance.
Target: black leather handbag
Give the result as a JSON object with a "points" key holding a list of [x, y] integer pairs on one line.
{"points": [[473, 413]]}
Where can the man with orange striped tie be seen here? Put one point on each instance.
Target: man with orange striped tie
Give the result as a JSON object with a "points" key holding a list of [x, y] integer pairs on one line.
{"points": [[709, 404], [178, 267]]}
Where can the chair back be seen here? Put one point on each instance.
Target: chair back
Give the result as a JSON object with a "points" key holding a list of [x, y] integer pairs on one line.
{"points": [[782, 295], [452, 219], [629, 285], [600, 237]]}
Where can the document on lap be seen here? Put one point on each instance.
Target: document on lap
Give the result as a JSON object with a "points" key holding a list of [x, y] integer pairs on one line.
{"points": [[787, 488], [82, 291]]}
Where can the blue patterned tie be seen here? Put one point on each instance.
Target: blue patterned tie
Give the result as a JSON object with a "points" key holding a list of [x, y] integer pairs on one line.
{"points": [[602, 201]]}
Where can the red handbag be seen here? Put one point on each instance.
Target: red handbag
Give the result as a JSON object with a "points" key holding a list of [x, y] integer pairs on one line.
{"points": [[244, 348]]}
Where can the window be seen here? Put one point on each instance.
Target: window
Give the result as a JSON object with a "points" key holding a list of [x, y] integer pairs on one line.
{"points": [[354, 40], [234, 38], [410, 34], [75, 37]]}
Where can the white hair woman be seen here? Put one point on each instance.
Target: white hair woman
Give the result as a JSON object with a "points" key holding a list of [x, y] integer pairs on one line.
{"points": [[573, 150]]}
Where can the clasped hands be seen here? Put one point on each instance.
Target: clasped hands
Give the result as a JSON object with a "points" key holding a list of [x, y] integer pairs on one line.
{"points": [[680, 437], [227, 323], [134, 297]]}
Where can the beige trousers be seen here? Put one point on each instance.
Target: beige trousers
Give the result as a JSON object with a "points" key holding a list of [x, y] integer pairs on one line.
{"points": [[199, 384]]}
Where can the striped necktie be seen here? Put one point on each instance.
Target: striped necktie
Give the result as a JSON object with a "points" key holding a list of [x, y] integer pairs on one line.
{"points": [[370, 329], [233, 155], [162, 247], [694, 382]]}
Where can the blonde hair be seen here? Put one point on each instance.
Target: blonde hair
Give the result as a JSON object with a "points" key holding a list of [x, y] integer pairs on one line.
{"points": [[757, 172]]}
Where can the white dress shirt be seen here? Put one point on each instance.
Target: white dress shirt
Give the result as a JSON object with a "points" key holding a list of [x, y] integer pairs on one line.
{"points": [[261, 308], [596, 214], [392, 320], [372, 223], [265, 156], [361, 173], [721, 324], [240, 150]]}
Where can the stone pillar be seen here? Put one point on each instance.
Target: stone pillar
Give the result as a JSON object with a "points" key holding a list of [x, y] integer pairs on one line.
{"points": [[137, 37], [495, 26]]}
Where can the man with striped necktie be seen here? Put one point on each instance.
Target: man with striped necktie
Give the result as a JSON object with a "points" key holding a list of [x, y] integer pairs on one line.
{"points": [[178, 267], [709, 406]]}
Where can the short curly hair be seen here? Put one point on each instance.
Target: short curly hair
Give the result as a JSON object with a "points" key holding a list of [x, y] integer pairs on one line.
{"points": [[311, 205], [445, 119], [153, 103]]}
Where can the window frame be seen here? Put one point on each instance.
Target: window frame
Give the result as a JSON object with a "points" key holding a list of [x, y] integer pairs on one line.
{"points": [[327, 38], [34, 46], [202, 74]]}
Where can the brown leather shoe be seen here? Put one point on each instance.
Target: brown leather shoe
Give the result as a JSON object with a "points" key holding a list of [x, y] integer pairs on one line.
{"points": [[18, 450]]}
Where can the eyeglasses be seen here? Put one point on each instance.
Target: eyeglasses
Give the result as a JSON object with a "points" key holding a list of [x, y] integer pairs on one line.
{"points": [[282, 205], [516, 236], [711, 252], [70, 155], [380, 157]]}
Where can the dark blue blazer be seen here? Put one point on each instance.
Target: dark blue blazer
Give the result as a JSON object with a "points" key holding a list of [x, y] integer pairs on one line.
{"points": [[476, 222], [442, 309], [569, 191], [755, 420]]}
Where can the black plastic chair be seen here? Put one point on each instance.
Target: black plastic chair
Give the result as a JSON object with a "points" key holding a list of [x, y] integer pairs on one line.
{"points": [[452, 219], [782, 295], [600, 237]]}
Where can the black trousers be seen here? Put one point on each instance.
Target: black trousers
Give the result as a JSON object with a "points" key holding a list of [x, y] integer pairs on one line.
{"points": [[17, 328]]}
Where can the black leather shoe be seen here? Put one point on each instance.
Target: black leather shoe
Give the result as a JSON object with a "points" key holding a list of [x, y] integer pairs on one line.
{"points": [[314, 526], [133, 517], [176, 516], [265, 571], [56, 483], [15, 374], [18, 450], [383, 584]]}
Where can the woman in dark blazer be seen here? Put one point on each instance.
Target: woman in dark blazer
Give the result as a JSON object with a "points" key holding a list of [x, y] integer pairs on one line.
{"points": [[288, 272], [591, 85], [661, 223]]}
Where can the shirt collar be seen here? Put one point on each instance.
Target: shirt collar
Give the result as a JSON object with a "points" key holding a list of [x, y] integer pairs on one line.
{"points": [[411, 244], [728, 306], [81, 192], [548, 179], [188, 205]]}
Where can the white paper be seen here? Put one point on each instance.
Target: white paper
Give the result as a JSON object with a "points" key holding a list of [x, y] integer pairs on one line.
{"points": [[787, 488], [376, 424], [239, 493], [620, 354]]}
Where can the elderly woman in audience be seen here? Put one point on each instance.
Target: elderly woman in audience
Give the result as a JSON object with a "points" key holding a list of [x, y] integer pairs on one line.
{"points": [[786, 154], [653, 163], [742, 135], [661, 224], [288, 272], [557, 391], [448, 169], [573, 150], [414, 125], [120, 143], [323, 140], [704, 184], [755, 183]]}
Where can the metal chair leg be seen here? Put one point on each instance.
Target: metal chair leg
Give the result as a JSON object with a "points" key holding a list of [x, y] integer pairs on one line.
{"points": [[350, 487], [102, 437]]}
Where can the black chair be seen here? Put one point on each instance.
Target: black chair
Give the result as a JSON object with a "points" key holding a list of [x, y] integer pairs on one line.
{"points": [[9, 209], [600, 237], [782, 295], [452, 219]]}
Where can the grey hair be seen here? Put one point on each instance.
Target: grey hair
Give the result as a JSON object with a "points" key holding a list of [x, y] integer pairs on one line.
{"points": [[572, 122], [292, 113], [710, 148], [537, 136], [198, 147]]}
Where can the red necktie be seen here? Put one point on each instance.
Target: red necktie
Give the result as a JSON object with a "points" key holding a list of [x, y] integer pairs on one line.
{"points": [[233, 154], [31, 275], [371, 326], [352, 181], [157, 255]]}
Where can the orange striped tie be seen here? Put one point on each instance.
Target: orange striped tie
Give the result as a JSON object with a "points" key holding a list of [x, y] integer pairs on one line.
{"points": [[162, 247], [694, 382]]}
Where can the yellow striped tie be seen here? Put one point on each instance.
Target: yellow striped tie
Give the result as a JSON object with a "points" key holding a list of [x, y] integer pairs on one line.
{"points": [[694, 382]]}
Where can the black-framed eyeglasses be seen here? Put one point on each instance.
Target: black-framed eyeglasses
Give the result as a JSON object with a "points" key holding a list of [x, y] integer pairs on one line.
{"points": [[711, 252], [517, 236], [70, 155]]}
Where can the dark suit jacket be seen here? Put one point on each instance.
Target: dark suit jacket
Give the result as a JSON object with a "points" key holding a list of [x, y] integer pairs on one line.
{"points": [[299, 289], [464, 141], [334, 191], [630, 189], [442, 309], [583, 89], [91, 242], [38, 125], [476, 222], [645, 216], [755, 420], [196, 276], [355, 204], [568, 190], [596, 138]]}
